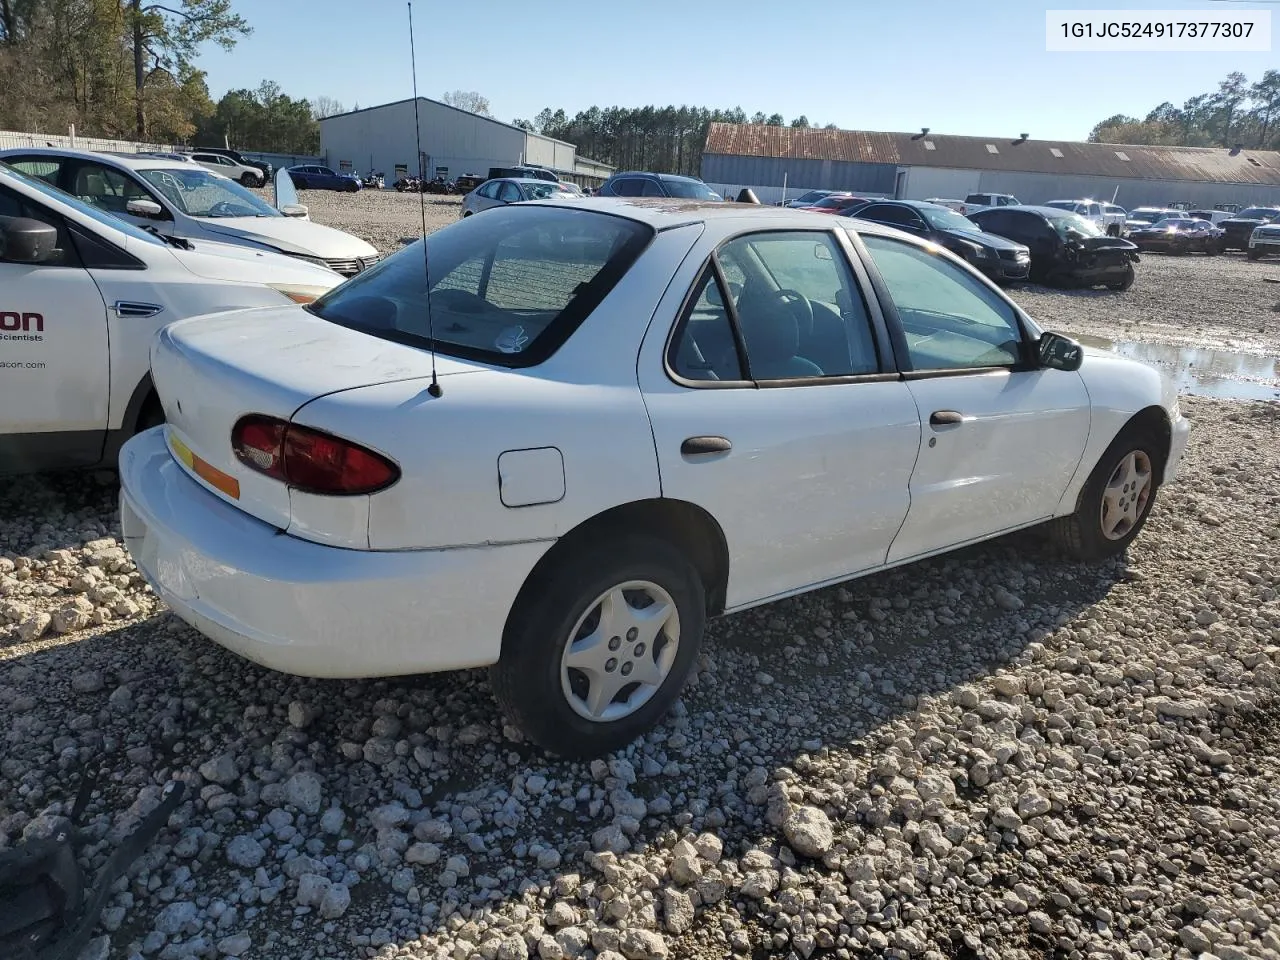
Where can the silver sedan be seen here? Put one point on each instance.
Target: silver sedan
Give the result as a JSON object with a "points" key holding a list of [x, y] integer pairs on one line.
{"points": [[503, 190]]}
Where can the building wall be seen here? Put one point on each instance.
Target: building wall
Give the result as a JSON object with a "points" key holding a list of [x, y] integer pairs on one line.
{"points": [[547, 152], [754, 172], [765, 176], [382, 137]]}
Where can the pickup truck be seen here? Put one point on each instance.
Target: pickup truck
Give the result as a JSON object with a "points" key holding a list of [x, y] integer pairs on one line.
{"points": [[82, 295]]}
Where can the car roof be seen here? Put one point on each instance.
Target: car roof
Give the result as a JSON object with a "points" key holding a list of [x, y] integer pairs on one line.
{"points": [[662, 213], [131, 161], [910, 203], [656, 176], [1026, 208]]}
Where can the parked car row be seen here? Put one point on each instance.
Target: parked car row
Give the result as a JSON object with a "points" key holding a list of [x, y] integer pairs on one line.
{"points": [[1017, 242]]}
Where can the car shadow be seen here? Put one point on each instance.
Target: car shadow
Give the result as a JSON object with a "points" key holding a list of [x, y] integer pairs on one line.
{"points": [[762, 700]]}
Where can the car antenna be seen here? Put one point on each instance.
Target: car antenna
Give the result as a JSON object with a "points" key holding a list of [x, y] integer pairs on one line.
{"points": [[433, 390]]}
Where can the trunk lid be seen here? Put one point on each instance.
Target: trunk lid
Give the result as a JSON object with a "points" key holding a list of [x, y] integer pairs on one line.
{"points": [[211, 371]]}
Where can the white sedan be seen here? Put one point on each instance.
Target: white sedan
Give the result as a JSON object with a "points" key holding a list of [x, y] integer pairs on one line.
{"points": [[183, 199], [640, 414], [82, 295]]}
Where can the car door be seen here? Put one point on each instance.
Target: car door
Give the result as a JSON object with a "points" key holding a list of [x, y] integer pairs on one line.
{"points": [[54, 373], [805, 470], [1001, 437]]}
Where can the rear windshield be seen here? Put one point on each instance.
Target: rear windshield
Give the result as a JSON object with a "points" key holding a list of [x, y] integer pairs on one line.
{"points": [[1258, 213], [507, 287]]}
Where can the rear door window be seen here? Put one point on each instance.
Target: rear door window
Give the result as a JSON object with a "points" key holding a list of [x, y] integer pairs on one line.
{"points": [[48, 169], [628, 187]]}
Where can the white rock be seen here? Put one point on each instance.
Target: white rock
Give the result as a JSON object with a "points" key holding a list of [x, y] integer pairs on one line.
{"points": [[808, 831]]}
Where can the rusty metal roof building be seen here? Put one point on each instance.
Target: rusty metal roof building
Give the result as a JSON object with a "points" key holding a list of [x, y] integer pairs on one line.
{"points": [[998, 154]]}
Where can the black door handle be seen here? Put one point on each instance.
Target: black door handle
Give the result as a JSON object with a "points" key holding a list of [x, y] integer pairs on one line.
{"points": [[941, 418], [694, 446]]}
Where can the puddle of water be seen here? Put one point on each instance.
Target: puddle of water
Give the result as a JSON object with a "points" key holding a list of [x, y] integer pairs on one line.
{"points": [[1203, 372]]}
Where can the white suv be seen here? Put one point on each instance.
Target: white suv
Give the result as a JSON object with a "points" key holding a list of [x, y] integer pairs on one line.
{"points": [[82, 296], [243, 174]]}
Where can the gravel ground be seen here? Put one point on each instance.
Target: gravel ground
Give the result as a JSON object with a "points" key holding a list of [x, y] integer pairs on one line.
{"points": [[998, 754]]}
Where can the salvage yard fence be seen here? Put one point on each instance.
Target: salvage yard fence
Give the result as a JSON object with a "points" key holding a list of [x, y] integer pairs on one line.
{"points": [[9, 139]]}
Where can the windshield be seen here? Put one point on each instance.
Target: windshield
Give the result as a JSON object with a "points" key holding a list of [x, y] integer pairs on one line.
{"points": [[1179, 223], [200, 193], [1073, 221], [1062, 204], [1259, 213], [690, 190], [945, 219], [98, 216], [508, 287], [540, 191], [813, 196]]}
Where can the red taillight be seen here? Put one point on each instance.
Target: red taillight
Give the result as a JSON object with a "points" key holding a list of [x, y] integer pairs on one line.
{"points": [[309, 460]]}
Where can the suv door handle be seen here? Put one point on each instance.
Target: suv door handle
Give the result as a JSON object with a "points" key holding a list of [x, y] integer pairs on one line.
{"points": [[699, 446], [940, 418]]}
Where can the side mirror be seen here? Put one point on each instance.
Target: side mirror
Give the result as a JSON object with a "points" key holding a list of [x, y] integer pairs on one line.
{"points": [[1059, 353], [286, 194], [144, 208], [23, 240], [296, 210]]}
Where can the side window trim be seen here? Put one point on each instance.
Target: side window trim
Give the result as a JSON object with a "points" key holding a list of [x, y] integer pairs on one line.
{"points": [[898, 337]]}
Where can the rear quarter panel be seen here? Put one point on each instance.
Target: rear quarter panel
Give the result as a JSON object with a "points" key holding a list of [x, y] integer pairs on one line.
{"points": [[448, 449], [583, 402]]}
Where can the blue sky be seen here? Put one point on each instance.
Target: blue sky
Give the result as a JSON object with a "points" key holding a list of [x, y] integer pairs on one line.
{"points": [[977, 67]]}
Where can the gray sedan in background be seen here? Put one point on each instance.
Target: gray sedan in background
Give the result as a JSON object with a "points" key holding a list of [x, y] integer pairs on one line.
{"points": [[503, 190]]}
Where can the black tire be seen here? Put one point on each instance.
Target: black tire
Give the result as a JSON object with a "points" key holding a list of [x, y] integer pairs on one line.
{"points": [[1255, 254], [1113, 230], [249, 180], [1126, 281], [1080, 534], [528, 682]]}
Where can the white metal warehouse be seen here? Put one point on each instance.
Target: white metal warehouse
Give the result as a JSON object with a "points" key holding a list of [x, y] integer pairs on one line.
{"points": [[454, 142], [923, 165]]}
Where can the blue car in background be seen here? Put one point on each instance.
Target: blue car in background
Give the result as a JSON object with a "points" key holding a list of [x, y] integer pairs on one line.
{"points": [[309, 177]]}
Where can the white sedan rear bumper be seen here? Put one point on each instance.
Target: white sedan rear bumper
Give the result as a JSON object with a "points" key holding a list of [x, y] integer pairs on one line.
{"points": [[305, 608]]}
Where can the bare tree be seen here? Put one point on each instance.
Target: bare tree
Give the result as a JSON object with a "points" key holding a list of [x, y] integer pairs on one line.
{"points": [[468, 100], [322, 107]]}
